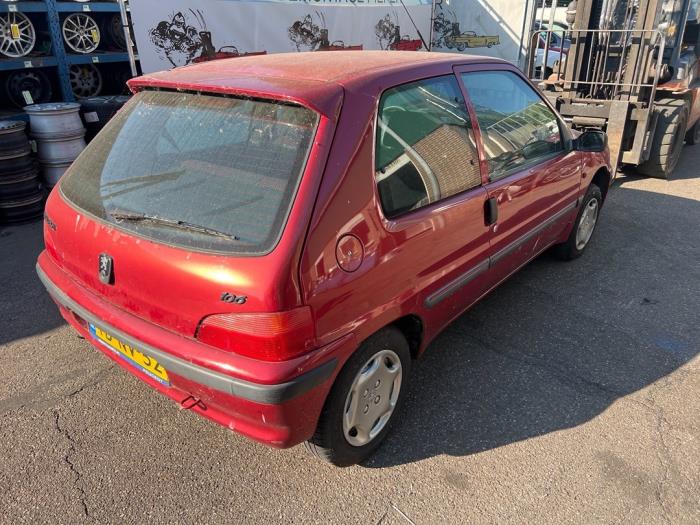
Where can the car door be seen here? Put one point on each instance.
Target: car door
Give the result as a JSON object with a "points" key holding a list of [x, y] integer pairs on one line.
{"points": [[430, 187], [533, 176]]}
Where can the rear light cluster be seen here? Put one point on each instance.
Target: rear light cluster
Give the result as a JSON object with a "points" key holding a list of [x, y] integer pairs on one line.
{"points": [[276, 336]]}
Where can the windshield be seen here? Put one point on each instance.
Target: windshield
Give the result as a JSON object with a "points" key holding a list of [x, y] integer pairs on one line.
{"points": [[175, 167]]}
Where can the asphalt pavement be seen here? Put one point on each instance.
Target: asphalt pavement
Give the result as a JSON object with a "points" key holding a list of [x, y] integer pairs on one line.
{"points": [[571, 394]]}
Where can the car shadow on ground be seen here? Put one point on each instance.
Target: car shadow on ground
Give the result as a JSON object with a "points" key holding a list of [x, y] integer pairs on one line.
{"points": [[548, 350], [25, 307], [559, 342]]}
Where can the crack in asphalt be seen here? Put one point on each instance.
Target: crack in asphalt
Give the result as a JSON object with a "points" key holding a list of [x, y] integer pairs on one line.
{"points": [[67, 459], [661, 422], [34, 398], [665, 451], [98, 378]]}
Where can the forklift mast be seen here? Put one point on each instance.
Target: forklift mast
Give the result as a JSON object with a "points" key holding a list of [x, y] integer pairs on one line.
{"points": [[623, 56]]}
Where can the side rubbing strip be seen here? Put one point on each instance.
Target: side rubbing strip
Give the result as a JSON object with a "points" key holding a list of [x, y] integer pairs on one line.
{"points": [[504, 252], [464, 279], [452, 287]]}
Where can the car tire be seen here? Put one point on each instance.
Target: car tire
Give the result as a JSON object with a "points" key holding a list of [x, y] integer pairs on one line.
{"points": [[692, 137], [668, 139], [584, 226], [389, 351]]}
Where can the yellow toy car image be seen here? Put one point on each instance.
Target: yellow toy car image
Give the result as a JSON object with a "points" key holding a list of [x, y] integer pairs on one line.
{"points": [[461, 41]]}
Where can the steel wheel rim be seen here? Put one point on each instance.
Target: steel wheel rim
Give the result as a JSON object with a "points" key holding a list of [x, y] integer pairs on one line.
{"points": [[33, 81], [372, 398], [77, 32], [587, 223], [85, 80], [16, 47]]}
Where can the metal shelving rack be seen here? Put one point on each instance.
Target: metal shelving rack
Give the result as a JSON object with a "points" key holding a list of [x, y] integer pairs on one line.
{"points": [[60, 56]]}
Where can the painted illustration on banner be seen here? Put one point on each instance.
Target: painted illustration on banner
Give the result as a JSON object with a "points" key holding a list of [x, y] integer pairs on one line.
{"points": [[183, 39], [447, 33], [389, 35], [311, 34], [492, 28], [174, 33]]}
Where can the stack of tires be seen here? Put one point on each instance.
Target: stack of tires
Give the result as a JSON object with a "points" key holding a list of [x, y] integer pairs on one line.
{"points": [[60, 137], [21, 192], [98, 110]]}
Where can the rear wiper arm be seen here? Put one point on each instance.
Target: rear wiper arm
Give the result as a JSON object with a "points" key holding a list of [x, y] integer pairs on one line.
{"points": [[129, 216]]}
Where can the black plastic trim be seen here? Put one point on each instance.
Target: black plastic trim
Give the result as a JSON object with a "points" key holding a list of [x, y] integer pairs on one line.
{"points": [[507, 250], [474, 272], [453, 286]]}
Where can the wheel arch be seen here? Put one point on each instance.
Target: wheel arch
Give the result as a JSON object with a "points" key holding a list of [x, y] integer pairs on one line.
{"points": [[602, 180], [413, 329]]}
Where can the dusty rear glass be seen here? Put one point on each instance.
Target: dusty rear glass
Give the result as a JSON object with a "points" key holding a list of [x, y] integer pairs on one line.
{"points": [[203, 172]]}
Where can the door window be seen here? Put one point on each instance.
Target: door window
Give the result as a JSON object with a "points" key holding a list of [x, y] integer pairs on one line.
{"points": [[517, 128], [425, 147]]}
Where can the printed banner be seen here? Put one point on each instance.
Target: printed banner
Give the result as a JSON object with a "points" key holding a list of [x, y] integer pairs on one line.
{"points": [[180, 32], [482, 27]]}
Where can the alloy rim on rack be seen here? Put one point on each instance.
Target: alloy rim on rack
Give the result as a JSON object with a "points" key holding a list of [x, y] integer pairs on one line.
{"points": [[17, 35], [81, 33], [85, 80]]}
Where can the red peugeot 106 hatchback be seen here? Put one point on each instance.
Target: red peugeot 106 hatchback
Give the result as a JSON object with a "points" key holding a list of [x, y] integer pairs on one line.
{"points": [[270, 241]]}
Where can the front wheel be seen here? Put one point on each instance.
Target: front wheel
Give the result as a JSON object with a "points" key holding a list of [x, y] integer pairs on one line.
{"points": [[367, 393], [667, 144], [586, 221]]}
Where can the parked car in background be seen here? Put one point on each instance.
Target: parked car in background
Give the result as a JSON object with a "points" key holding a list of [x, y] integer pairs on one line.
{"points": [[557, 49], [271, 241]]}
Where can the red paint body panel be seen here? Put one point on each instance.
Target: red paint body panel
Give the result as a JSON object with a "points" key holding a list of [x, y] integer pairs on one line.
{"points": [[161, 293]]}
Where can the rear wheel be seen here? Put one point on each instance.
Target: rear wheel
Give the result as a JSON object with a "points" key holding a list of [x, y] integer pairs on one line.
{"points": [[583, 229], [668, 139], [367, 393]]}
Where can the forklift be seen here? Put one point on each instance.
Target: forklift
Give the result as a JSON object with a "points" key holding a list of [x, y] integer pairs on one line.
{"points": [[633, 71]]}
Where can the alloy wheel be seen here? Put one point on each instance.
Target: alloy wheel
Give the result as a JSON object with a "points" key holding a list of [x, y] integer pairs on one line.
{"points": [[85, 80], [81, 33], [17, 35]]}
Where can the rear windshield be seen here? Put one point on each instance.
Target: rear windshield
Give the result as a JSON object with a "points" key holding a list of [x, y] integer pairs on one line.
{"points": [[205, 172]]}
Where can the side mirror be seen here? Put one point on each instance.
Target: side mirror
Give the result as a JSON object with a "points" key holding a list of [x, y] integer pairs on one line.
{"points": [[591, 140]]}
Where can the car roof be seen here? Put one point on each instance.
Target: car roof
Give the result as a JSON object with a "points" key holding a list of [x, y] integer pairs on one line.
{"points": [[314, 79]]}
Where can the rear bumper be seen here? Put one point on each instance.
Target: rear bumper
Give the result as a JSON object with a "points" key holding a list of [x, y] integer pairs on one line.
{"points": [[279, 414]]}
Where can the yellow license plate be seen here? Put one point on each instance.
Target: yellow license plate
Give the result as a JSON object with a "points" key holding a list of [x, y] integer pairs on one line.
{"points": [[146, 364]]}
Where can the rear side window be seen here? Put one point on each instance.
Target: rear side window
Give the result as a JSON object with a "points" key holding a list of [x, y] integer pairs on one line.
{"points": [[204, 172], [425, 149], [517, 128]]}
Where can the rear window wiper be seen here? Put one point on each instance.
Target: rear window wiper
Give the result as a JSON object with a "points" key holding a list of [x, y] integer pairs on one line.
{"points": [[130, 216]]}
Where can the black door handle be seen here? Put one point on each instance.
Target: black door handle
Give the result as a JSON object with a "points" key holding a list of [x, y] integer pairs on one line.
{"points": [[490, 211]]}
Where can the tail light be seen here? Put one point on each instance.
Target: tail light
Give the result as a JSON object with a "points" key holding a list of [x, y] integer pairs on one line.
{"points": [[275, 336]]}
